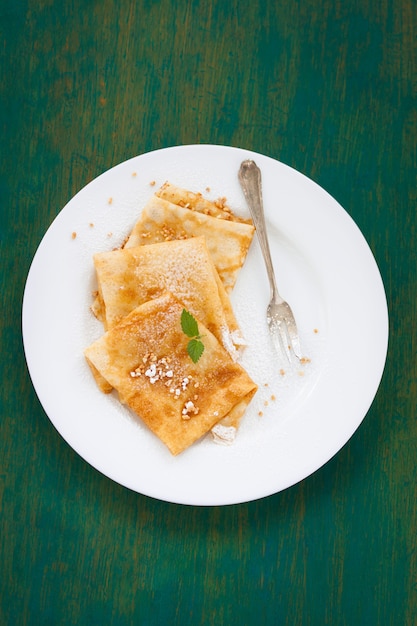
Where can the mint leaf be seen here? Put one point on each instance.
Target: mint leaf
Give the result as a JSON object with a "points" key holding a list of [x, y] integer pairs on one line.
{"points": [[195, 349], [189, 324]]}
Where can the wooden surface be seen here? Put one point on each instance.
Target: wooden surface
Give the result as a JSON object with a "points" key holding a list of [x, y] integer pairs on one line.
{"points": [[328, 87]]}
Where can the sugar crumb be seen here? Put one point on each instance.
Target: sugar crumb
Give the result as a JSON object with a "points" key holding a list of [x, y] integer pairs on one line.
{"points": [[220, 203]]}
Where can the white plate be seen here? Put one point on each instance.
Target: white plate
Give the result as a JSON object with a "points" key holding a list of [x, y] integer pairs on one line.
{"points": [[324, 268]]}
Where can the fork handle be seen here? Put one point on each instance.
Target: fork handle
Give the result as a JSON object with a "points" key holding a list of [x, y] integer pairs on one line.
{"points": [[251, 182]]}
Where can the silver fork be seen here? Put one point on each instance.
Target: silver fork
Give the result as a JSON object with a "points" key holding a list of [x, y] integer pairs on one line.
{"points": [[279, 316]]}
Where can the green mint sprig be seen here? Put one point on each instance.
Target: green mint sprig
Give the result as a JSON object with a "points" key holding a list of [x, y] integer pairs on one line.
{"points": [[195, 346]]}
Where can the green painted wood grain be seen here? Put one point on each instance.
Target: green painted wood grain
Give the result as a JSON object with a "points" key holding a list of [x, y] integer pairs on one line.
{"points": [[326, 86]]}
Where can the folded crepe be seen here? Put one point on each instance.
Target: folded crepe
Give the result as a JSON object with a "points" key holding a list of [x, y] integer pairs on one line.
{"points": [[144, 357], [228, 238], [128, 277], [197, 202]]}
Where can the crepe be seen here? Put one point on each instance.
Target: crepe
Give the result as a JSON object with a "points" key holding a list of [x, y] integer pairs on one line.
{"points": [[144, 357], [197, 202], [129, 277], [228, 240]]}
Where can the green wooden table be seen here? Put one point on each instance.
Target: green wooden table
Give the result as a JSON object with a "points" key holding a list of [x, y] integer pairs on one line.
{"points": [[328, 87]]}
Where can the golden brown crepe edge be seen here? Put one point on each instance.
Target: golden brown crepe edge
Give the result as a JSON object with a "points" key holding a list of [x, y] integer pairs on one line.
{"points": [[195, 201]]}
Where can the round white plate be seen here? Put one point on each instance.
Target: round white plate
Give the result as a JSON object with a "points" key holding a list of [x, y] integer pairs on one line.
{"points": [[301, 416]]}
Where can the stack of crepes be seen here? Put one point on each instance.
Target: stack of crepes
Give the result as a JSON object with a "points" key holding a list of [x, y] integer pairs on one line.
{"points": [[184, 253]]}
